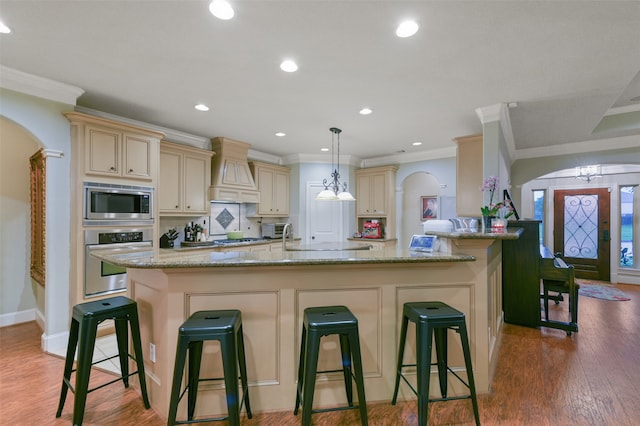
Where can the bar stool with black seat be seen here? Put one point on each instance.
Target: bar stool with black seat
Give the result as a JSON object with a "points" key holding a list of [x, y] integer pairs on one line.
{"points": [[82, 334], [434, 319], [224, 326], [324, 321]]}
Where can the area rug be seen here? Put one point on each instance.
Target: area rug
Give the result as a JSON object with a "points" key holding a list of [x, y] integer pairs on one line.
{"points": [[601, 291]]}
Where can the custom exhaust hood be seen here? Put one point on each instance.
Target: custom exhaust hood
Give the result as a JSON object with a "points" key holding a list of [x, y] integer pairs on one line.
{"points": [[231, 179]]}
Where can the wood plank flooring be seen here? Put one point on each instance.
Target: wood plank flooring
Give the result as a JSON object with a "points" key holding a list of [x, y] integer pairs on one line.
{"points": [[543, 378]]}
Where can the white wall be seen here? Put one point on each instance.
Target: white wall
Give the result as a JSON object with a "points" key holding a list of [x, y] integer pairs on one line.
{"points": [[43, 119], [17, 290]]}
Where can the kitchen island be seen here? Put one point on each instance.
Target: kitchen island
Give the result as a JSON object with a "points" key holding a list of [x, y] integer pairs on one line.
{"points": [[273, 289]]}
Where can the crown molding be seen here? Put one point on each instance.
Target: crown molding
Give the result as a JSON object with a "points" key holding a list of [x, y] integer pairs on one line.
{"points": [[581, 147], [40, 87], [410, 157]]}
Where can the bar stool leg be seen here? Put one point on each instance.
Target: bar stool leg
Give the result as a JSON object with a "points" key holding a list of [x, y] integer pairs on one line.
{"points": [[88, 331], [403, 337], [195, 361], [345, 352], [181, 356], [423, 361], [230, 368], [441, 357], [68, 365], [357, 366], [301, 366], [462, 329], [122, 337], [134, 325], [309, 380], [243, 371]]}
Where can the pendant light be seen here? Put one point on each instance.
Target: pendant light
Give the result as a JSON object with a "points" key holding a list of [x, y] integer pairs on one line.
{"points": [[334, 189]]}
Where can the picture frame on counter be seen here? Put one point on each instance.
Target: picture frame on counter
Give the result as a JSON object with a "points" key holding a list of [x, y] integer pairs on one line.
{"points": [[429, 207]]}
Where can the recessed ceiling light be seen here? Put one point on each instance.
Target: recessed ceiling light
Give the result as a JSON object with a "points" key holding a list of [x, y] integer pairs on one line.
{"points": [[289, 66], [416, 143], [281, 134], [366, 111], [407, 29], [4, 29], [221, 9], [324, 149], [201, 107]]}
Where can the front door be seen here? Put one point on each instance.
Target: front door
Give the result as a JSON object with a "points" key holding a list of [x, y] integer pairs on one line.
{"points": [[581, 231]]}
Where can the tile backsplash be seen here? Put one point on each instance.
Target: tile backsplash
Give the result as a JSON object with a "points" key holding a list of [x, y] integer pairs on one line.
{"points": [[224, 217]]}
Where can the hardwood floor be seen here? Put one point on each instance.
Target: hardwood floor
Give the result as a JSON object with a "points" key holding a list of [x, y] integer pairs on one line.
{"points": [[543, 378]]}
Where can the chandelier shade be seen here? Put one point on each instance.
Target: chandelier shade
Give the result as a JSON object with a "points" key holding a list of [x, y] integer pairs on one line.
{"points": [[334, 190], [589, 172]]}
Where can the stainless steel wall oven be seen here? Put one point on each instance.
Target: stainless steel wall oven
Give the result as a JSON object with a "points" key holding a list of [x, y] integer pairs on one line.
{"points": [[103, 277]]}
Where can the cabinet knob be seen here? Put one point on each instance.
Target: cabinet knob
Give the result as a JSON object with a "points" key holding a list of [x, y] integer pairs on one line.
{"points": [[176, 207], [130, 170], [188, 207], [112, 168]]}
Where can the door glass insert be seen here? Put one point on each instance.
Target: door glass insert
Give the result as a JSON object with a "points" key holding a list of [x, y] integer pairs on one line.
{"points": [[581, 226]]}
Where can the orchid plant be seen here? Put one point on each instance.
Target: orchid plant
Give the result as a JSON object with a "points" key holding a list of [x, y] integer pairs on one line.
{"points": [[494, 209]]}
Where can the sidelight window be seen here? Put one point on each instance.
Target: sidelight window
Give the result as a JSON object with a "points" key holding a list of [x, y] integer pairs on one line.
{"points": [[627, 214], [538, 210]]}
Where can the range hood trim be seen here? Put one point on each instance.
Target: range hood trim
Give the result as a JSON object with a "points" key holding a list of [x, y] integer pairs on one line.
{"points": [[231, 178]]}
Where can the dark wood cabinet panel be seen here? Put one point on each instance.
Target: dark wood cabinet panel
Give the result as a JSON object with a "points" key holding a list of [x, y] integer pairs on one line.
{"points": [[520, 275]]}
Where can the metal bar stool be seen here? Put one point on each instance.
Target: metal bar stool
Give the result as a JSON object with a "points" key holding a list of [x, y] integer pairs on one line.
{"points": [[84, 327], [226, 327], [324, 321], [434, 319]]}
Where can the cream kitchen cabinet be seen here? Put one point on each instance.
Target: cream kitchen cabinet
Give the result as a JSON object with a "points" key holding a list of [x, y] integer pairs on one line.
{"points": [[185, 175], [469, 175], [116, 153], [273, 184], [375, 197]]}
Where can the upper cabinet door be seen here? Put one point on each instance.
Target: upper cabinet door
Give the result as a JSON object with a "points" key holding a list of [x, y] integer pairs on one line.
{"points": [[265, 182], [102, 151], [197, 172], [170, 193], [136, 159]]}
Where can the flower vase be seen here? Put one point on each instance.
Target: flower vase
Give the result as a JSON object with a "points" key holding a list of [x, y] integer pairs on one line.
{"points": [[486, 223]]}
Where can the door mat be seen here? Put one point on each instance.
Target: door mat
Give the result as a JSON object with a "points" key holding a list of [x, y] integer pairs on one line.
{"points": [[601, 291]]}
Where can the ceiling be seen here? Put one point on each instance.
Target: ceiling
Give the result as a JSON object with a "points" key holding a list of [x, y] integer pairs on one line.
{"points": [[567, 65]]}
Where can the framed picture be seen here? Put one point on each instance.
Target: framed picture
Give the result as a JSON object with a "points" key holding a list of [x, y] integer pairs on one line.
{"points": [[429, 207]]}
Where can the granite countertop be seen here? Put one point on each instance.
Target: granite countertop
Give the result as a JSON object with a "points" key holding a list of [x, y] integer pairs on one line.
{"points": [[166, 258]]}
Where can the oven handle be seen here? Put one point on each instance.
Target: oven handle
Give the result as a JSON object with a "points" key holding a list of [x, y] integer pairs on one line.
{"points": [[120, 246]]}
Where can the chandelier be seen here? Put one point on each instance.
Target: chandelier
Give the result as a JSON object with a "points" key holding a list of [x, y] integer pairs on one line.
{"points": [[334, 189], [588, 172]]}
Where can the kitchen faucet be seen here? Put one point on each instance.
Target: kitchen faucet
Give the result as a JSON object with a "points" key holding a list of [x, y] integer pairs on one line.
{"points": [[287, 231]]}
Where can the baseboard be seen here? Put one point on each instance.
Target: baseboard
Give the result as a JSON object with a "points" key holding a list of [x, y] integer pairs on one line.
{"points": [[55, 344], [17, 317]]}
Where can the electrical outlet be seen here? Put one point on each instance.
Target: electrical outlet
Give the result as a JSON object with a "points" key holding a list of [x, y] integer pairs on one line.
{"points": [[152, 352]]}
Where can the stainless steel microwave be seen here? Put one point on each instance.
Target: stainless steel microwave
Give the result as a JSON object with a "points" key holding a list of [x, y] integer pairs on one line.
{"points": [[121, 203]]}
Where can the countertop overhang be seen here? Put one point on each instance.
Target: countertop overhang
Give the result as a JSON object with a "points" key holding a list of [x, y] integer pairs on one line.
{"points": [[166, 258]]}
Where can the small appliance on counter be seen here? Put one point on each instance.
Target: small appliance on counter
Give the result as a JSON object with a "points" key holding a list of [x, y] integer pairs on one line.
{"points": [[372, 229], [166, 241], [436, 225], [272, 230]]}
